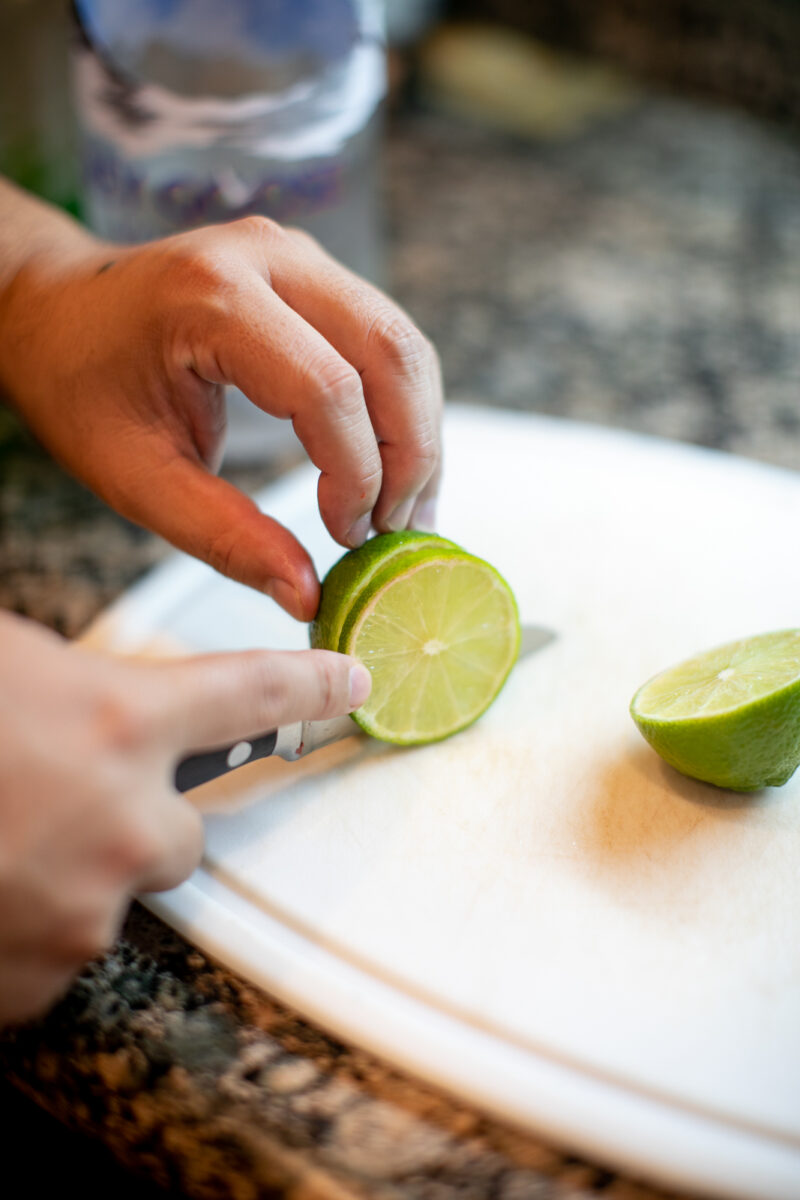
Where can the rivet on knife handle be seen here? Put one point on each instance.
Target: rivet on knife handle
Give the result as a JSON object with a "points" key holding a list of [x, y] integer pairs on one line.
{"points": [[201, 768]]}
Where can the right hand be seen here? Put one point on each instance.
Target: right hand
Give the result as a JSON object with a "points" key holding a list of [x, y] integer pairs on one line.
{"points": [[89, 816]]}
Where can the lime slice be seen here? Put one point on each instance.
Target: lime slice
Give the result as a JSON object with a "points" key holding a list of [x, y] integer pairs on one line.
{"points": [[438, 629], [729, 716], [347, 578]]}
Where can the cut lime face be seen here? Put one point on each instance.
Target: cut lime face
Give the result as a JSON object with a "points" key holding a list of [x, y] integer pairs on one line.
{"points": [[438, 630], [348, 577], [729, 716]]}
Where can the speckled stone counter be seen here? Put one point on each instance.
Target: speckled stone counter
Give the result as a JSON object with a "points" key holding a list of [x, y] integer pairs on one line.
{"points": [[645, 276]]}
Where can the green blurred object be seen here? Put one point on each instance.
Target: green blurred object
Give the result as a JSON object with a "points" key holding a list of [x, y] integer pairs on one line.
{"points": [[37, 133]]}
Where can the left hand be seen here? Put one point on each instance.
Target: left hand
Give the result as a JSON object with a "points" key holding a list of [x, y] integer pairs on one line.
{"points": [[117, 359]]}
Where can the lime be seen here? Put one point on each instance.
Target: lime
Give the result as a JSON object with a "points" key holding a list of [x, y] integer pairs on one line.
{"points": [[729, 716], [350, 574], [437, 628]]}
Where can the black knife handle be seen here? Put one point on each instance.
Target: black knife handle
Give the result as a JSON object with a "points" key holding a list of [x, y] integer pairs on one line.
{"points": [[201, 768]]}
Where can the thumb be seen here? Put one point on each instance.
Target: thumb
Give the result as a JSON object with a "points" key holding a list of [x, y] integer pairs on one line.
{"points": [[217, 698], [211, 519]]}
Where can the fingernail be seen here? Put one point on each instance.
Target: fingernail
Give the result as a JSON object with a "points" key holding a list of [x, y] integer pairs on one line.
{"points": [[424, 517], [360, 685], [357, 534], [399, 518], [284, 594]]}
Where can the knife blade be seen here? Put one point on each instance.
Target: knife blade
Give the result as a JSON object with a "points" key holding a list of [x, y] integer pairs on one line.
{"points": [[295, 741]]}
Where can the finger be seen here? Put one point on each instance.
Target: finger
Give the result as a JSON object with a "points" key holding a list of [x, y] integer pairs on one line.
{"points": [[399, 368], [30, 986], [207, 701], [423, 514], [178, 846], [212, 520], [288, 369]]}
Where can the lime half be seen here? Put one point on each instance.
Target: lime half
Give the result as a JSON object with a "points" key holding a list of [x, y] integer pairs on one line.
{"points": [[729, 716], [437, 628]]}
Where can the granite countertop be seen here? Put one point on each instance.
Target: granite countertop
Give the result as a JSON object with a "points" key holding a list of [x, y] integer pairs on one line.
{"points": [[644, 275]]}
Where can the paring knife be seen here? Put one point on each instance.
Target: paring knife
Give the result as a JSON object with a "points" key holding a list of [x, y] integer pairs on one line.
{"points": [[294, 741]]}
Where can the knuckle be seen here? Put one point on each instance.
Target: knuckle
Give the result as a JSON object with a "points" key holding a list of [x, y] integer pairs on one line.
{"points": [[203, 286], [197, 265], [369, 473], [425, 452], [203, 275], [259, 228], [222, 552], [281, 681], [302, 238], [271, 688], [335, 384], [123, 722], [328, 685], [398, 339]]}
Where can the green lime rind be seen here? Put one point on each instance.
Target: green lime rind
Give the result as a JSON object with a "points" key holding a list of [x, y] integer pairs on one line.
{"points": [[477, 676], [351, 574], [729, 716]]}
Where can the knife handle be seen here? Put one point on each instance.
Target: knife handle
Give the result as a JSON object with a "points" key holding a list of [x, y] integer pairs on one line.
{"points": [[201, 768]]}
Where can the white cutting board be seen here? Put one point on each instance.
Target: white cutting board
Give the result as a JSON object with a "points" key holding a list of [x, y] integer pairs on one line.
{"points": [[538, 914]]}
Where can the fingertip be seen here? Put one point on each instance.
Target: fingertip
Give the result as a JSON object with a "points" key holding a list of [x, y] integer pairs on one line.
{"points": [[183, 834], [300, 598], [360, 685], [358, 531], [288, 597], [424, 516], [401, 518]]}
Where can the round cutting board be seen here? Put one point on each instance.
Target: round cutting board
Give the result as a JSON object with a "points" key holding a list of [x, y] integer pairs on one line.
{"points": [[538, 914]]}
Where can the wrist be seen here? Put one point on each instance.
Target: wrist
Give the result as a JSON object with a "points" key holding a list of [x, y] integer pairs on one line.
{"points": [[42, 251]]}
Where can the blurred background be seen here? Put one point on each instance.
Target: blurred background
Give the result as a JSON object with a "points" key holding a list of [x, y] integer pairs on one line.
{"points": [[591, 206]]}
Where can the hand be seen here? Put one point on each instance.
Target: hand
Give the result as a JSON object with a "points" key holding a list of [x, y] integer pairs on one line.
{"points": [[117, 356], [88, 813]]}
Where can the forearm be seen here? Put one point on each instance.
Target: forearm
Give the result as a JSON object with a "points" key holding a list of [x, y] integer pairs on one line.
{"points": [[29, 228]]}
